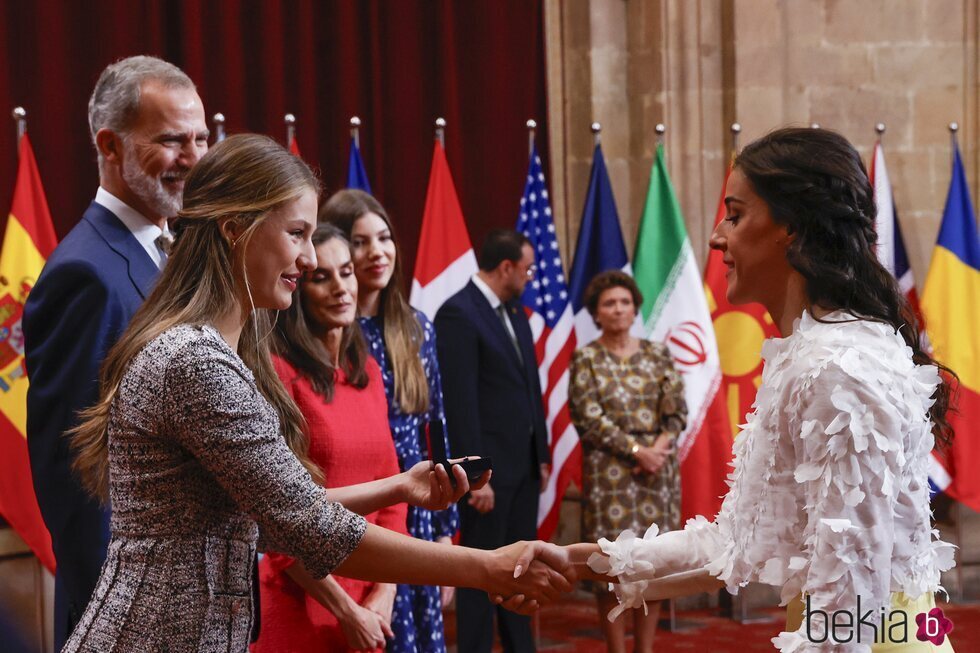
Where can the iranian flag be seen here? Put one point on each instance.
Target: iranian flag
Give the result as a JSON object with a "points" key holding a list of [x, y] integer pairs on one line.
{"points": [[675, 312], [445, 260]]}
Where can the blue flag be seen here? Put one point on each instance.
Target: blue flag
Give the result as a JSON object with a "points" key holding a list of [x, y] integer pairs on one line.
{"points": [[356, 175], [600, 244], [951, 308]]}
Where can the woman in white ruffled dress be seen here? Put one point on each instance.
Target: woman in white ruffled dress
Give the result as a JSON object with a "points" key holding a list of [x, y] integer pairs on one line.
{"points": [[829, 497]]}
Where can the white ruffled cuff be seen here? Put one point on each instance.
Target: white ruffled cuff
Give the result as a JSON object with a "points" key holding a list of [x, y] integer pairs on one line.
{"points": [[621, 561]]}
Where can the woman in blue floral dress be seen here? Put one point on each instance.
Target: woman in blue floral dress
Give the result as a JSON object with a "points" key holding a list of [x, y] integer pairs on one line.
{"points": [[402, 340]]}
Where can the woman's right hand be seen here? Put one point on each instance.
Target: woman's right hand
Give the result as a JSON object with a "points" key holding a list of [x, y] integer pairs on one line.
{"points": [[537, 583], [649, 460], [427, 486], [364, 629]]}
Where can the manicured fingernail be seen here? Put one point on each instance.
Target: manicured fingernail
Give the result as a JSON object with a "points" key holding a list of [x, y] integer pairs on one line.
{"points": [[517, 571]]}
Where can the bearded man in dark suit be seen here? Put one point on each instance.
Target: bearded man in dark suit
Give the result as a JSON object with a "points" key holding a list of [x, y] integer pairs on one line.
{"points": [[493, 407], [147, 124]]}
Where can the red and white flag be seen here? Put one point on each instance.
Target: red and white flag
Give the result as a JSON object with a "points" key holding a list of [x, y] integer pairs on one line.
{"points": [[445, 261], [891, 246], [552, 323]]}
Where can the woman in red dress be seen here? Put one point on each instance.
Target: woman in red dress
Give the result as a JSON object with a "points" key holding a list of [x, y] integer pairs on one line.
{"points": [[324, 364]]}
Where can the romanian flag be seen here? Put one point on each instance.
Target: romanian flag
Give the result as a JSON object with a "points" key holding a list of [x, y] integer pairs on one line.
{"points": [[740, 332], [27, 243], [951, 306]]}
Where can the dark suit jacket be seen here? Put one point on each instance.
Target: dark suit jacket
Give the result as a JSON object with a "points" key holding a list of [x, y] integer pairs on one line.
{"points": [[493, 404], [88, 291]]}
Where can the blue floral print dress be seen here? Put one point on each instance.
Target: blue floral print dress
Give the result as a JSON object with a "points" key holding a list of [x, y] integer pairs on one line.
{"points": [[417, 616]]}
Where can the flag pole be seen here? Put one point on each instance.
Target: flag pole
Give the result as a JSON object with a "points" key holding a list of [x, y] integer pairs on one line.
{"points": [[954, 127], [661, 129], [355, 131], [880, 130], [290, 121], [20, 119], [441, 131], [736, 130], [19, 114], [531, 126], [596, 131], [219, 127]]}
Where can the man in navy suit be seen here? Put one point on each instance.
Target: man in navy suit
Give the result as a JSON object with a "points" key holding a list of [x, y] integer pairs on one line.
{"points": [[493, 408], [147, 124]]}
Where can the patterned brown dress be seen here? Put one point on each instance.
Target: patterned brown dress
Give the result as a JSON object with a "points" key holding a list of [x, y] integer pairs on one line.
{"points": [[617, 403]]}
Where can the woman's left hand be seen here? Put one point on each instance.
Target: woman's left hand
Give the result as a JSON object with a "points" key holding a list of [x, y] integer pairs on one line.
{"points": [[381, 600], [427, 486]]}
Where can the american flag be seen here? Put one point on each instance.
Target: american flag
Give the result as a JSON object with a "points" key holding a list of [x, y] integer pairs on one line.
{"points": [[552, 324]]}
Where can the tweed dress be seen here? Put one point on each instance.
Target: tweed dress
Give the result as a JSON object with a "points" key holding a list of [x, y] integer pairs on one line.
{"points": [[198, 471]]}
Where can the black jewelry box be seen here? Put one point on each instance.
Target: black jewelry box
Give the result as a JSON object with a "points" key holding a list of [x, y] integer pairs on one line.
{"points": [[474, 466]]}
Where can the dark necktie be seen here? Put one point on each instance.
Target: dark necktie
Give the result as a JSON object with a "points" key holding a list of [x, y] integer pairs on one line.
{"points": [[502, 313]]}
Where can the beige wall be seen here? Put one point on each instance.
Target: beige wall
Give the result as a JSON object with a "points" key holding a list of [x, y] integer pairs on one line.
{"points": [[699, 65]]}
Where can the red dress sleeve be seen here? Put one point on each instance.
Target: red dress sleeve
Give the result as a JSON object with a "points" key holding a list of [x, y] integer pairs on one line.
{"points": [[287, 374], [394, 518]]}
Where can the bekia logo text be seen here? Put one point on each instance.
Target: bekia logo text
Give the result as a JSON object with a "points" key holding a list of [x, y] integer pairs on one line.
{"points": [[844, 626]]}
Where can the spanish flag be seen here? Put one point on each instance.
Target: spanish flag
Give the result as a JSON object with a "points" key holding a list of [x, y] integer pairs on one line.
{"points": [[28, 241], [951, 306]]}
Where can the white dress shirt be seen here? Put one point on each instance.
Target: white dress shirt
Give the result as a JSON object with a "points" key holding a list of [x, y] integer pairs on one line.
{"points": [[494, 303], [143, 230]]}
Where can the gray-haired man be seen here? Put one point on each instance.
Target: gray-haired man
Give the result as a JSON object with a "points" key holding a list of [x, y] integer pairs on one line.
{"points": [[148, 127]]}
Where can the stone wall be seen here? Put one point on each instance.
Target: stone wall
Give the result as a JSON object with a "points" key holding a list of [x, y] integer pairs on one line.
{"points": [[699, 65]]}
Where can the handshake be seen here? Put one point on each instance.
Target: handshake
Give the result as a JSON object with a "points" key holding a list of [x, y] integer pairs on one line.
{"points": [[527, 575], [540, 572]]}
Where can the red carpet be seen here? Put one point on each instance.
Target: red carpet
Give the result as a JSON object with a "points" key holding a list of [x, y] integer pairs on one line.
{"points": [[572, 626]]}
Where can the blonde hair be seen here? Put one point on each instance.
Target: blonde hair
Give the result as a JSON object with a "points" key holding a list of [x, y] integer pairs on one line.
{"points": [[403, 334], [241, 180]]}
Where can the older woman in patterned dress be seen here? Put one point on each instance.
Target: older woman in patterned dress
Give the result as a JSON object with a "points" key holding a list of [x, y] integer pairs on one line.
{"points": [[627, 402]]}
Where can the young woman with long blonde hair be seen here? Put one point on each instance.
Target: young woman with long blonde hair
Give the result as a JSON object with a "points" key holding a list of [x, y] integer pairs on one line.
{"points": [[201, 451]]}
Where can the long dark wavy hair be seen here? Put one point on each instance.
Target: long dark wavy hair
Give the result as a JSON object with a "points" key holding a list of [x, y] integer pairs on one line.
{"points": [[815, 185], [295, 341]]}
